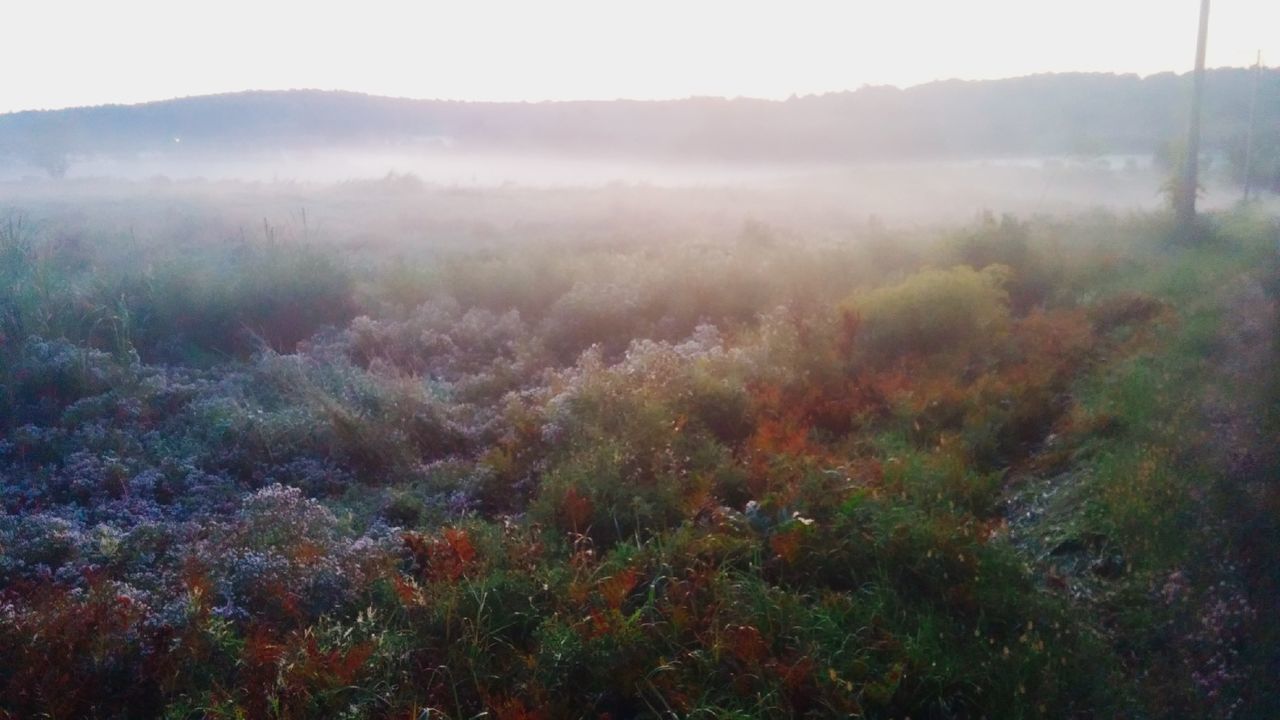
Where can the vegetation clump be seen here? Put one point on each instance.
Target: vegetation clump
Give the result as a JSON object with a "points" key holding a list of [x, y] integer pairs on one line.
{"points": [[955, 309], [296, 483]]}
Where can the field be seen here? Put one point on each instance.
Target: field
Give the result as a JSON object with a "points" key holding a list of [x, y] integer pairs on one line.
{"points": [[630, 452]]}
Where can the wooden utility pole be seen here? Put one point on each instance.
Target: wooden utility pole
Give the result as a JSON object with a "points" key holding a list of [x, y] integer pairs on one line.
{"points": [[1253, 121], [1191, 176]]}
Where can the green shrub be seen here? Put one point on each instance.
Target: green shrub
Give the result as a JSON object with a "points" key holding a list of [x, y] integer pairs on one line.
{"points": [[271, 294], [934, 310]]}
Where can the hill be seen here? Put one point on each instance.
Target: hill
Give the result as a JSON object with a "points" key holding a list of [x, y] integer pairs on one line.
{"points": [[1053, 114]]}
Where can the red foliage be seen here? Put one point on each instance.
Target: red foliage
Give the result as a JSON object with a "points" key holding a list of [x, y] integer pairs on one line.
{"points": [[796, 674], [1057, 339], [690, 603], [577, 510], [60, 650], [850, 323], [508, 708], [448, 557], [788, 417], [614, 591], [408, 593], [293, 670], [745, 644], [598, 624], [342, 666], [261, 654], [786, 545]]}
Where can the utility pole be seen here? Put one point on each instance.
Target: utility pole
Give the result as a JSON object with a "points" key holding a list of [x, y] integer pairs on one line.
{"points": [[1191, 178], [1253, 121]]}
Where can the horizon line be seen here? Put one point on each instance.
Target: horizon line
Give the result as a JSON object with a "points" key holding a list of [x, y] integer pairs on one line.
{"points": [[554, 101]]}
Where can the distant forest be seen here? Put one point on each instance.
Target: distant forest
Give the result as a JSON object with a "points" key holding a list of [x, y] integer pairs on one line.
{"points": [[1074, 114]]}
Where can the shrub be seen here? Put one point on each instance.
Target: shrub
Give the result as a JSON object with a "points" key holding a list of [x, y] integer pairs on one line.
{"points": [[271, 294], [594, 313], [1008, 243], [288, 559], [958, 309], [44, 377], [1124, 310]]}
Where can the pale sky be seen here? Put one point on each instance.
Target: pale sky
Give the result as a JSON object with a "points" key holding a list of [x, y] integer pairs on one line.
{"points": [[60, 53]]}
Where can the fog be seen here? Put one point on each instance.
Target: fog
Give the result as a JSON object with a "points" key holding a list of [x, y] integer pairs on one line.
{"points": [[1056, 144], [416, 195]]}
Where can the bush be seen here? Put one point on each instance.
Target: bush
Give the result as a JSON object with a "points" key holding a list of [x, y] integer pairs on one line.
{"points": [[1008, 243], [273, 294], [959, 309]]}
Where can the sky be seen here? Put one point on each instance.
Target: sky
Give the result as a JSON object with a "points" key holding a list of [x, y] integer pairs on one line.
{"points": [[63, 53]]}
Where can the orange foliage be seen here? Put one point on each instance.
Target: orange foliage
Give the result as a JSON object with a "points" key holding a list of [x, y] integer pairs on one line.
{"points": [[786, 435], [890, 383], [1058, 338], [448, 557], [408, 591], [614, 590], [293, 669], [786, 545]]}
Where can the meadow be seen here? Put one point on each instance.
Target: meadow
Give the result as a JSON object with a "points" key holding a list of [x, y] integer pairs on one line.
{"points": [[376, 462]]}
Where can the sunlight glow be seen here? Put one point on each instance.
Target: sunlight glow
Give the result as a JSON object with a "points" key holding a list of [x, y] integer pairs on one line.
{"points": [[75, 52]]}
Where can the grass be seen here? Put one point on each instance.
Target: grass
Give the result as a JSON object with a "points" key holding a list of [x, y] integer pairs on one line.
{"points": [[1140, 521], [668, 481]]}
